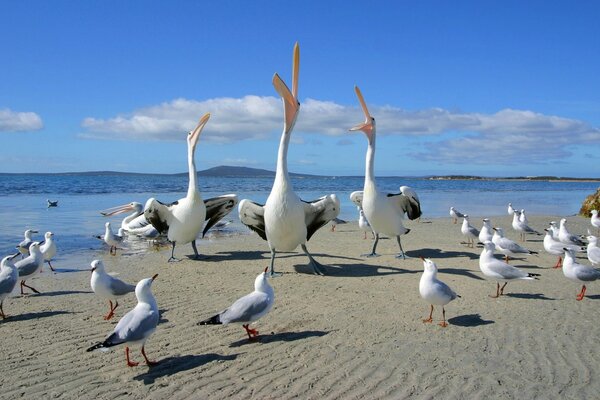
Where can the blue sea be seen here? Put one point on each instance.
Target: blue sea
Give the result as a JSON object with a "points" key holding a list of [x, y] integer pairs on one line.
{"points": [[77, 220]]}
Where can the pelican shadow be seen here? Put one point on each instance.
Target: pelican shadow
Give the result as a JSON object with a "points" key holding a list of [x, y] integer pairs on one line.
{"points": [[469, 320], [173, 365], [280, 337], [529, 296], [354, 270], [35, 315], [440, 254]]}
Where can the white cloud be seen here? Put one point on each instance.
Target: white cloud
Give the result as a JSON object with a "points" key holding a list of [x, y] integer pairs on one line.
{"points": [[504, 137], [13, 121]]}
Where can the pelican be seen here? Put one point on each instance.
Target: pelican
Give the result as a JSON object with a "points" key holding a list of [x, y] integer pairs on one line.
{"points": [[136, 222], [383, 211], [183, 219], [286, 221]]}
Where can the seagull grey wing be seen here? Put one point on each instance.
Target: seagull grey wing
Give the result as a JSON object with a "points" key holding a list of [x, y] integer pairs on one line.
{"points": [[135, 325], [507, 271], [7, 283], [26, 267], [247, 308], [217, 208], [459, 214], [574, 239], [157, 214], [253, 216], [319, 212], [473, 231], [357, 197], [511, 246], [118, 287], [404, 203], [587, 274]]}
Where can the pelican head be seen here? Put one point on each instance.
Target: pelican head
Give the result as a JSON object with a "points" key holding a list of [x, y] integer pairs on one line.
{"points": [[133, 206], [193, 135], [291, 105], [368, 127]]}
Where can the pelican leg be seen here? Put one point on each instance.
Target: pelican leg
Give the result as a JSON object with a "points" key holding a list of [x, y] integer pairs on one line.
{"points": [[317, 268], [372, 253], [172, 258], [430, 319], [272, 267], [2, 310], [196, 254], [401, 254]]}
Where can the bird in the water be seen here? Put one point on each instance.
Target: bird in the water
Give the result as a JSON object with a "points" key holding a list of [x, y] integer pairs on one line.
{"points": [[52, 203]]}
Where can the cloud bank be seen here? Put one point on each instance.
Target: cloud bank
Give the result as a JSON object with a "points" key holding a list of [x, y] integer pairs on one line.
{"points": [[504, 137], [13, 121]]}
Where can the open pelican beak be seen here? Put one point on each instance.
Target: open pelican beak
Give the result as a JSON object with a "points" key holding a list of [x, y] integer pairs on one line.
{"points": [[367, 126], [117, 210], [195, 134], [290, 98]]}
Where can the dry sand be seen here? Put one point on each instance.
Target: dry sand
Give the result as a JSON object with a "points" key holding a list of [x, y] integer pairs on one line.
{"points": [[354, 334]]}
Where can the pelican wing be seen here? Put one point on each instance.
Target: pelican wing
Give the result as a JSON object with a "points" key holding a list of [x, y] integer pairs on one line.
{"points": [[319, 212], [411, 207], [217, 208], [253, 216], [357, 197], [158, 214]]}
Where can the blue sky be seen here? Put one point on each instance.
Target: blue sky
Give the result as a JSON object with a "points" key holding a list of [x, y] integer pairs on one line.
{"points": [[482, 88]]}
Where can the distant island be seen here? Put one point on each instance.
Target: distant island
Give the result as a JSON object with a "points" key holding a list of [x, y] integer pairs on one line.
{"points": [[246, 172]]}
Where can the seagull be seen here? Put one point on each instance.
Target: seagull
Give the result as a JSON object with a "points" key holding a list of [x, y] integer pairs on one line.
{"points": [[108, 286], [285, 221], [593, 251], [384, 211], [578, 272], [435, 291], [183, 219], [137, 325], [555, 247], [486, 231], [469, 231], [23, 247], [363, 223], [9, 275], [498, 270], [554, 230], [48, 248], [523, 217], [506, 246], [113, 240], [455, 214], [30, 265], [248, 308], [595, 220], [521, 226], [511, 210], [52, 203], [335, 222], [566, 237]]}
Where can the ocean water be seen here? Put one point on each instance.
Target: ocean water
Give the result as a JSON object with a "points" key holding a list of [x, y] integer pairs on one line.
{"points": [[77, 220]]}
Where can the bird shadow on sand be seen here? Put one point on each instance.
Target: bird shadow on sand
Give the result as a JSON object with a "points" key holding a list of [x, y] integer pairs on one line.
{"points": [[62, 293], [354, 270], [173, 365], [35, 315], [463, 272], [593, 297], [279, 337], [469, 320], [441, 254], [67, 270], [528, 296]]}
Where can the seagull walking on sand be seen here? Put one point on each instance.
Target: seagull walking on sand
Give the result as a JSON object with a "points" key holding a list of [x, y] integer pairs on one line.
{"points": [[578, 272], [23, 247], [249, 308], [48, 248], [364, 224], [469, 231], [566, 237], [500, 271], [137, 325], [522, 227], [595, 220], [9, 275], [108, 286], [31, 264], [486, 232], [434, 291], [506, 246], [593, 251], [455, 214]]}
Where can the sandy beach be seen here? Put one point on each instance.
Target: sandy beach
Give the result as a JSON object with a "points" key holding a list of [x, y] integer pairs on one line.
{"points": [[353, 334]]}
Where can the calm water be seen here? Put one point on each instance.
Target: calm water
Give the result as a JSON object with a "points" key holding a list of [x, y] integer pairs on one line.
{"points": [[77, 219]]}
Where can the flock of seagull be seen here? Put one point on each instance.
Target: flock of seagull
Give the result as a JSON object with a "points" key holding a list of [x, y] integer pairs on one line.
{"points": [[285, 222]]}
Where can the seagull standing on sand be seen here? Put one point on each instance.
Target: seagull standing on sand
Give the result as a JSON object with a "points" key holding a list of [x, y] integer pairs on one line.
{"points": [[486, 231], [566, 237], [28, 266], [499, 271], [595, 220], [363, 223], [23, 247], [455, 214], [506, 246], [9, 275], [48, 248], [113, 240], [578, 272], [384, 211], [511, 210], [554, 230], [522, 227], [249, 308], [469, 231], [593, 251], [108, 286], [434, 291], [285, 221], [137, 325], [554, 247]]}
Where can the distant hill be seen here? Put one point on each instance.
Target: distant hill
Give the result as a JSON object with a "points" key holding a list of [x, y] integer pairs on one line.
{"points": [[226, 170]]}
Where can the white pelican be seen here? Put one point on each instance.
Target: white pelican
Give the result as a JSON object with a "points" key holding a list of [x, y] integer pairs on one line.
{"points": [[136, 222], [383, 211], [183, 219], [286, 221]]}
